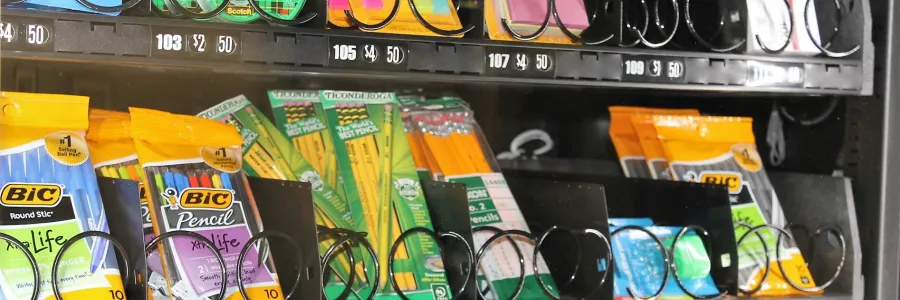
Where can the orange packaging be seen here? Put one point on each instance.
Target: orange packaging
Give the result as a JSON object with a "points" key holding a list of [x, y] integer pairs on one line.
{"points": [[722, 150], [654, 156]]}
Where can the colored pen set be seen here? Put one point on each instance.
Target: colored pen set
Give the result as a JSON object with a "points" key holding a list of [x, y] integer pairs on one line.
{"points": [[50, 194]]}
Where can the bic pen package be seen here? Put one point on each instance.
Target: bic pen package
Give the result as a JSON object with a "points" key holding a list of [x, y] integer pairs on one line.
{"points": [[113, 155], [384, 190], [50, 194], [192, 171], [269, 154], [447, 131], [722, 150], [636, 145]]}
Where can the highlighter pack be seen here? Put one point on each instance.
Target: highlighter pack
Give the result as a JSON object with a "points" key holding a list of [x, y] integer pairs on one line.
{"points": [[455, 151], [722, 150], [192, 171], [384, 190], [50, 194], [525, 17], [438, 13]]}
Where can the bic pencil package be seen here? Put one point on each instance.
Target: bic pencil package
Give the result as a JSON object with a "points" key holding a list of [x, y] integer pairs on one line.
{"points": [[447, 132], [384, 190], [192, 170], [50, 194], [269, 154], [635, 140], [722, 150], [113, 154]]}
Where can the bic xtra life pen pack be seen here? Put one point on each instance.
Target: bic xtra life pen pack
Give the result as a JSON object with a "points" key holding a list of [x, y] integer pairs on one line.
{"points": [[50, 194], [192, 171], [448, 133], [114, 156], [267, 153], [640, 267], [722, 150], [384, 190]]}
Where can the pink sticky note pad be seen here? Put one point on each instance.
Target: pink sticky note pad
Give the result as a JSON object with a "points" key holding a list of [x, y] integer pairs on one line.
{"points": [[372, 4], [339, 4], [532, 12]]}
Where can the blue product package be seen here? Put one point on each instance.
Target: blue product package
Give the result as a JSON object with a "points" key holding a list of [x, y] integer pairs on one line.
{"points": [[640, 265], [55, 5]]}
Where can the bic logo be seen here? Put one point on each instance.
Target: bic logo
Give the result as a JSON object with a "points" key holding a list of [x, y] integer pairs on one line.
{"points": [[730, 179], [200, 198], [31, 194]]}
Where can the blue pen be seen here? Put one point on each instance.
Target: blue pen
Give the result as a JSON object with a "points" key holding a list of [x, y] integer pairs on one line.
{"points": [[17, 167], [100, 247], [48, 168], [32, 165], [4, 170], [71, 180], [226, 181]]}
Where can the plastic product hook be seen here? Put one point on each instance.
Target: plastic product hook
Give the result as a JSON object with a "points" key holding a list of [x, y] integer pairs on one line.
{"points": [[538, 32], [632, 28], [787, 40], [515, 147], [356, 22], [54, 274], [36, 289], [435, 236], [243, 255], [271, 19], [432, 28], [837, 4], [150, 247]]}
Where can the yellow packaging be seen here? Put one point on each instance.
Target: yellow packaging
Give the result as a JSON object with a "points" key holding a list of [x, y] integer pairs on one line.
{"points": [[654, 156], [43, 150], [192, 171], [495, 31], [722, 150], [404, 22]]}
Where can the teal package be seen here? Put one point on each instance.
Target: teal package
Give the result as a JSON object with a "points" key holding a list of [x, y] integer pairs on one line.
{"points": [[639, 263]]}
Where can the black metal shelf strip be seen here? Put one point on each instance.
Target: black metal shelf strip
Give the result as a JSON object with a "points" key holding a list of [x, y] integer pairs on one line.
{"points": [[152, 41]]}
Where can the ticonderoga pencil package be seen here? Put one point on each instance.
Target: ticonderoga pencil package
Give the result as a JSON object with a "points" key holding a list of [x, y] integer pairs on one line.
{"points": [[653, 153], [192, 171], [50, 194], [454, 140], [384, 190], [722, 150], [268, 154], [113, 154]]}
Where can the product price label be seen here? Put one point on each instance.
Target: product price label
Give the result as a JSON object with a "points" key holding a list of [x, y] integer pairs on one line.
{"points": [[649, 68], [367, 54], [27, 34], [519, 62], [775, 74], [194, 43]]}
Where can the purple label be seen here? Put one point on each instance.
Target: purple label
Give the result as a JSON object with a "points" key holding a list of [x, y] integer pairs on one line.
{"points": [[198, 265]]}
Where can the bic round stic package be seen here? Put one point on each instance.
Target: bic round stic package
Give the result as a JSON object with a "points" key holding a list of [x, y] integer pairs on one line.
{"points": [[722, 150], [192, 174], [50, 194]]}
